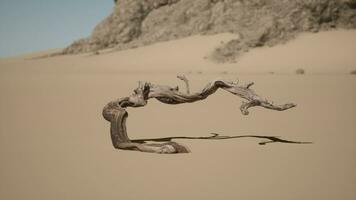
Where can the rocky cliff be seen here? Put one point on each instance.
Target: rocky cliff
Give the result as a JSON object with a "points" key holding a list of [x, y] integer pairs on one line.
{"points": [[258, 23]]}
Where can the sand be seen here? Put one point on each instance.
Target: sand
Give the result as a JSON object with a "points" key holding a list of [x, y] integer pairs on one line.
{"points": [[54, 143]]}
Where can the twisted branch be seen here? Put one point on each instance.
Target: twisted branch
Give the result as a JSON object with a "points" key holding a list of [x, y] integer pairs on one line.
{"points": [[115, 112]]}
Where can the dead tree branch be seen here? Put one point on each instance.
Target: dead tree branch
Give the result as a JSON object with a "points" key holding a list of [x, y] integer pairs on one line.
{"points": [[115, 112]]}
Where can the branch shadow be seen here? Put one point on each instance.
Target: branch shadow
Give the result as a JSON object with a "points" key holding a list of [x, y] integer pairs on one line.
{"points": [[216, 136]]}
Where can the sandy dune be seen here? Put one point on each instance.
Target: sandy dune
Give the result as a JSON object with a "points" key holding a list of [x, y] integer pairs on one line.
{"points": [[54, 143]]}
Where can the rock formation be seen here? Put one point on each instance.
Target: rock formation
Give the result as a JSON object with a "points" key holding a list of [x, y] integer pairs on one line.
{"points": [[258, 23]]}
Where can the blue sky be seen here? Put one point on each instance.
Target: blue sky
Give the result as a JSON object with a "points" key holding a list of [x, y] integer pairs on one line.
{"points": [[33, 25]]}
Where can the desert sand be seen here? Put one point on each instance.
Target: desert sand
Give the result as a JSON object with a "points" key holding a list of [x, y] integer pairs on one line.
{"points": [[54, 143]]}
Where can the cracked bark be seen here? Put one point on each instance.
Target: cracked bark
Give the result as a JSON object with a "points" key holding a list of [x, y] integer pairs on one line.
{"points": [[116, 114]]}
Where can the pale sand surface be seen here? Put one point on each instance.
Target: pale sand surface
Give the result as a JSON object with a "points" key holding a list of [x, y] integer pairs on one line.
{"points": [[54, 143]]}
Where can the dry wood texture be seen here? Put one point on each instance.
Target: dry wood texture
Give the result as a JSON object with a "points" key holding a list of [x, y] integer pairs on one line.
{"points": [[115, 112]]}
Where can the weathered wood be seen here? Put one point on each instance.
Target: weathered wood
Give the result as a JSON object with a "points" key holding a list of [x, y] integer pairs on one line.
{"points": [[115, 112]]}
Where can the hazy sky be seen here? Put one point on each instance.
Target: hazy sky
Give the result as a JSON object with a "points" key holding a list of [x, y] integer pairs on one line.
{"points": [[33, 25]]}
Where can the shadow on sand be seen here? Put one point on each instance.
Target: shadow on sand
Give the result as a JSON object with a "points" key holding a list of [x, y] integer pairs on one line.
{"points": [[216, 136]]}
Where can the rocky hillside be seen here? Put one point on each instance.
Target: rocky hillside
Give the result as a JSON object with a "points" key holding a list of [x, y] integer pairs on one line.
{"points": [[136, 23]]}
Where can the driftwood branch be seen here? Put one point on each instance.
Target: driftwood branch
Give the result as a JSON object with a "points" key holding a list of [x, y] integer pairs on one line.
{"points": [[115, 112]]}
